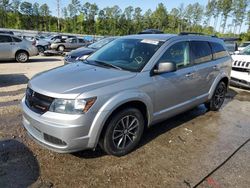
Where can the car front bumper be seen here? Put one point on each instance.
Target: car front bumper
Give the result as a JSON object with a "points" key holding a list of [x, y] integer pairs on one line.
{"points": [[58, 132], [240, 79]]}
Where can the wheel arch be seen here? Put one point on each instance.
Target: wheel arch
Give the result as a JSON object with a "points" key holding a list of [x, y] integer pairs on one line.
{"points": [[222, 77], [21, 50], [103, 116]]}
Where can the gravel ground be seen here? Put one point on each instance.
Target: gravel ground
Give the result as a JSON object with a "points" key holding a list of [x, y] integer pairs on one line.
{"points": [[183, 151]]}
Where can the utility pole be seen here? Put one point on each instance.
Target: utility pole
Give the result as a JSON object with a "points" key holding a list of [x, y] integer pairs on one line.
{"points": [[58, 15]]}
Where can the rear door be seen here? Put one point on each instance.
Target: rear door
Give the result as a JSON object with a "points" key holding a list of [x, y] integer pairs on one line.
{"points": [[6, 45], [205, 66]]}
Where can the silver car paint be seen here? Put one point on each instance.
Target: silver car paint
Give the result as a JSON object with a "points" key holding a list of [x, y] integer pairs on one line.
{"points": [[163, 95], [8, 50]]}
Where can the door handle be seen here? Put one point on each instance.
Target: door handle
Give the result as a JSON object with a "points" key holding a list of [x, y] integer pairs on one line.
{"points": [[215, 67], [190, 74]]}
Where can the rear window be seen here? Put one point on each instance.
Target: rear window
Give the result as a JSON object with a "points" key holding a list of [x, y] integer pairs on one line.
{"points": [[218, 50], [201, 51], [5, 39]]}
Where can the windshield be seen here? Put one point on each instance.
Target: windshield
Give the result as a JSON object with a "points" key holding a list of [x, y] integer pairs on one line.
{"points": [[127, 54], [246, 51], [100, 43]]}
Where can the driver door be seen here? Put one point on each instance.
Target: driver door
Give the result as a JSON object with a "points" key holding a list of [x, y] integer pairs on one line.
{"points": [[175, 91]]}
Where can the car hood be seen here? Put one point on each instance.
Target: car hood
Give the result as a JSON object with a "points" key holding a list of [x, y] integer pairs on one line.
{"points": [[241, 58], [74, 79], [81, 52]]}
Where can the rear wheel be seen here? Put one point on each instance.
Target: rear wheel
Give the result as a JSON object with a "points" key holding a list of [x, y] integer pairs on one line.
{"points": [[22, 57], [218, 98], [123, 132]]}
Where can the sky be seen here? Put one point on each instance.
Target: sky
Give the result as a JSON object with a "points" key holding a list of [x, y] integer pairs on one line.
{"points": [[143, 4]]}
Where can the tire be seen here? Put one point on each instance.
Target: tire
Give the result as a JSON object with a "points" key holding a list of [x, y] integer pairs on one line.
{"points": [[61, 48], [41, 49], [218, 97], [121, 137], [22, 57]]}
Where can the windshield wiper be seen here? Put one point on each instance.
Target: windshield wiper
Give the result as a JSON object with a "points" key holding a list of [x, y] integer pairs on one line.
{"points": [[107, 64]]}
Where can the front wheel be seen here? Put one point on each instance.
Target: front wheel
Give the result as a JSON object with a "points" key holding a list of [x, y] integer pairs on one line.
{"points": [[123, 132], [61, 48], [218, 98]]}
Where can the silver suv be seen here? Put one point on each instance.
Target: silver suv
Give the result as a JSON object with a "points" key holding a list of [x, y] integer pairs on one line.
{"points": [[12, 47], [121, 89]]}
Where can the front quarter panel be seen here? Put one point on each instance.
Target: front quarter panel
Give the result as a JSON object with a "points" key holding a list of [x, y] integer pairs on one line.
{"points": [[110, 106]]}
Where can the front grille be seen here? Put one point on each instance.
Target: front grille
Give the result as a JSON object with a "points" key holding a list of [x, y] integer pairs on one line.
{"points": [[54, 140], [37, 102], [239, 69], [244, 64]]}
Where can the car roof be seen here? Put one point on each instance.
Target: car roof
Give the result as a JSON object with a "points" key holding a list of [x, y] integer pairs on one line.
{"points": [[5, 34], [165, 37], [160, 37]]}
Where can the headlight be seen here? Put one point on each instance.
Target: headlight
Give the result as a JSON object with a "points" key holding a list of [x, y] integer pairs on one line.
{"points": [[66, 106]]}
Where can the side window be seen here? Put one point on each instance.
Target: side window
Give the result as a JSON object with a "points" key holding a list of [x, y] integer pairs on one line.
{"points": [[201, 52], [218, 50], [73, 40], [5, 39], [81, 40], [16, 39], [178, 53]]}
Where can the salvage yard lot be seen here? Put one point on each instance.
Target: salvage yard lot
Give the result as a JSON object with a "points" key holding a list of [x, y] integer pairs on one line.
{"points": [[179, 152]]}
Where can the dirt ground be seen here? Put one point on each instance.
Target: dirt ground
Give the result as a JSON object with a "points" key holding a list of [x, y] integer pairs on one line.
{"points": [[196, 148]]}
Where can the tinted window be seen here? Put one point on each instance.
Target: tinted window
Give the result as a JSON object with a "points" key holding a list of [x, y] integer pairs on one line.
{"points": [[16, 39], [218, 50], [4, 39], [81, 40], [178, 54], [201, 52]]}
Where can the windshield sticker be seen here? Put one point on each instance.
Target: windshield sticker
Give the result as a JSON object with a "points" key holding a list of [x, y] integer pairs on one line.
{"points": [[154, 42]]}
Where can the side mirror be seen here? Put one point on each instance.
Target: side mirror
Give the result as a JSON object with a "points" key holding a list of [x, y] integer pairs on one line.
{"points": [[165, 67]]}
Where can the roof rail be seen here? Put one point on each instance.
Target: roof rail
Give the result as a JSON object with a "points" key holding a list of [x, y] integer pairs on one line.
{"points": [[193, 33]]}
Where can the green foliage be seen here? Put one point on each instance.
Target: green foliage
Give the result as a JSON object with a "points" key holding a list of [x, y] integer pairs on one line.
{"points": [[87, 18]]}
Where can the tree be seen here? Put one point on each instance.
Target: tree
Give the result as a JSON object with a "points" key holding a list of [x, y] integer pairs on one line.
{"points": [[4, 8], [160, 17], [36, 15], [226, 8], [45, 13]]}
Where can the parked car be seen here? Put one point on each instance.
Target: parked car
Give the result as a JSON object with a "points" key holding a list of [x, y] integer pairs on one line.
{"points": [[6, 32], [126, 86], [41, 44], [231, 44], [243, 45], [240, 75], [83, 52], [12, 47], [69, 44], [58, 38]]}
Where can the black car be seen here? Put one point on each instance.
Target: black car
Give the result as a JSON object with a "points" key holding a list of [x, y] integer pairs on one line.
{"points": [[83, 52]]}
